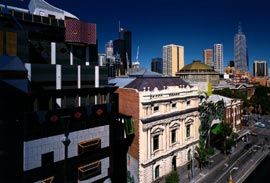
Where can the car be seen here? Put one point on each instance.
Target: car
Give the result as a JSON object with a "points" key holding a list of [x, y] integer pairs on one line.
{"points": [[260, 124]]}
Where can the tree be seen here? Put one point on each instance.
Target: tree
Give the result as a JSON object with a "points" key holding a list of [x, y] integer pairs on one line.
{"points": [[260, 100], [173, 177]]}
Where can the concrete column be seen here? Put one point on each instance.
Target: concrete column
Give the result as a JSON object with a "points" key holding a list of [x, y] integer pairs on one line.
{"points": [[96, 80], [71, 55], [58, 82], [87, 55], [53, 53], [79, 83]]}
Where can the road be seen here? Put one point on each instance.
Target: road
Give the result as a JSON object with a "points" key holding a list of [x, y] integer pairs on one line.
{"points": [[243, 159]]}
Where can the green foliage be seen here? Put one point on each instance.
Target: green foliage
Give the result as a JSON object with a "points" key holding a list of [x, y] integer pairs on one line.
{"points": [[209, 111], [226, 92], [173, 177], [260, 100], [130, 179], [227, 138]]}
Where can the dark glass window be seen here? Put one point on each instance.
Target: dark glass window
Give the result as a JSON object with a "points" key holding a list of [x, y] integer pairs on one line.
{"points": [[156, 142], [188, 131], [174, 105], [188, 102], [47, 159], [157, 172], [174, 163], [156, 108], [173, 136]]}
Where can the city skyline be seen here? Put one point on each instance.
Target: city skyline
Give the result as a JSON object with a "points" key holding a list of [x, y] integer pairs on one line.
{"points": [[176, 23]]}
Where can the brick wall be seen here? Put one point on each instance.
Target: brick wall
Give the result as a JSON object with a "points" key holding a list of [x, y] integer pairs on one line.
{"points": [[129, 105]]}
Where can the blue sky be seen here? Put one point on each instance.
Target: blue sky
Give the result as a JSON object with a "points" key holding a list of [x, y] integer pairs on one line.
{"points": [[194, 24]]}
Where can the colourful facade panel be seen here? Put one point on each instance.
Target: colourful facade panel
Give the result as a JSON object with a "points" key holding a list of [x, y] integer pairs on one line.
{"points": [[80, 32]]}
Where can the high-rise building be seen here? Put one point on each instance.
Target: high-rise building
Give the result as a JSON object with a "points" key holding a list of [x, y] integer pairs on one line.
{"points": [[260, 68], [173, 59], [101, 59], [240, 51], [109, 49], [208, 57], [156, 65], [218, 58], [231, 63], [123, 47]]}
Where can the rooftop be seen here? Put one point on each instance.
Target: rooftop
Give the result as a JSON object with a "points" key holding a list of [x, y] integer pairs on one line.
{"points": [[196, 66], [155, 82]]}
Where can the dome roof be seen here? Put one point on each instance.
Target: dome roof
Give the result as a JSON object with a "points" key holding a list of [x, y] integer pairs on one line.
{"points": [[196, 66]]}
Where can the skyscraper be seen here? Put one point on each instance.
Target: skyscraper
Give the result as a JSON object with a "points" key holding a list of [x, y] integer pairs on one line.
{"points": [[122, 46], [240, 50], [208, 57], [260, 68], [218, 58], [173, 59], [109, 49], [156, 65]]}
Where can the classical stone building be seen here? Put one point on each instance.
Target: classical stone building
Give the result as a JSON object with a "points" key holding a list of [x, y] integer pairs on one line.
{"points": [[199, 72], [166, 123]]}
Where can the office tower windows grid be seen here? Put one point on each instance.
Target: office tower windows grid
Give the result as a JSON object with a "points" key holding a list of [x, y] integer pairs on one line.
{"points": [[208, 57], [218, 58], [260, 68], [240, 51], [156, 65], [173, 59]]}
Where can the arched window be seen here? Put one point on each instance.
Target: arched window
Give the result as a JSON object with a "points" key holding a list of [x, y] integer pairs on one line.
{"points": [[157, 172], [189, 155], [174, 163]]}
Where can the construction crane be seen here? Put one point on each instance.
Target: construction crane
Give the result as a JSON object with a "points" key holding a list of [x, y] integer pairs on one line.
{"points": [[137, 56]]}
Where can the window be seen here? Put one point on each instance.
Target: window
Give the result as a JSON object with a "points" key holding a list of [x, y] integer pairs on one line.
{"points": [[155, 142], [174, 105], [157, 172], [11, 43], [89, 145], [188, 102], [156, 108], [174, 163], [47, 159], [89, 170], [173, 136], [188, 131]]}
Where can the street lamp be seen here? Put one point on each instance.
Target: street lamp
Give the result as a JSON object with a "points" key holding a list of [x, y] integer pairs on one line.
{"points": [[66, 141], [234, 168]]}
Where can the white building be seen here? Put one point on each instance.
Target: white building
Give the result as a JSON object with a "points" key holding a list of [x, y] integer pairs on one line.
{"points": [[166, 122], [218, 58]]}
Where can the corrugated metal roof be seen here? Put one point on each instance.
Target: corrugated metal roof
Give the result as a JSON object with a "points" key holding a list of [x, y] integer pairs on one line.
{"points": [[121, 82]]}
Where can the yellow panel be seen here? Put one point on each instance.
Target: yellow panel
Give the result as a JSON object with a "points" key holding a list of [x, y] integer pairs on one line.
{"points": [[1, 43], [11, 42]]}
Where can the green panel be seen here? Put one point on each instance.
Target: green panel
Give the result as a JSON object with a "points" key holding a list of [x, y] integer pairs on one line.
{"points": [[129, 126]]}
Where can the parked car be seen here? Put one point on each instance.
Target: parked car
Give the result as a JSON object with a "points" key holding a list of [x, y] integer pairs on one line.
{"points": [[260, 124]]}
